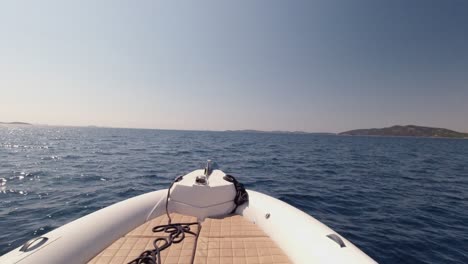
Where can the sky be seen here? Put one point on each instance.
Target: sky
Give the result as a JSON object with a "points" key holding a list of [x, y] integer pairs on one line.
{"points": [[317, 66]]}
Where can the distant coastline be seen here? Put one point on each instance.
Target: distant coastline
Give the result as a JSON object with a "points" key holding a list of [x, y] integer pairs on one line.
{"points": [[407, 131], [277, 132], [393, 131], [16, 123]]}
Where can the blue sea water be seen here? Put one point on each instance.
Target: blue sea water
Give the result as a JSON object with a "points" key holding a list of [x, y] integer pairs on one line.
{"points": [[401, 200]]}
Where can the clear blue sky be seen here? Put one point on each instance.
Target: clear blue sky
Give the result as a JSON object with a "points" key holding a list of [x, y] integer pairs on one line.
{"points": [[271, 65]]}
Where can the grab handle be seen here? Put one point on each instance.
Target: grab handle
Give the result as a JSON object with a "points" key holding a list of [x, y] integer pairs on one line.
{"points": [[27, 246]]}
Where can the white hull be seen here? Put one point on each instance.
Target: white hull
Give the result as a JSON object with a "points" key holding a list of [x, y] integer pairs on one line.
{"points": [[300, 236]]}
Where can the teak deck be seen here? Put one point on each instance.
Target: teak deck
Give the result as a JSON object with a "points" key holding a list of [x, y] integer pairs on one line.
{"points": [[230, 240]]}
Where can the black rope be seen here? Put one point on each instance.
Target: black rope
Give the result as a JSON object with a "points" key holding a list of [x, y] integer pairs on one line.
{"points": [[241, 194], [176, 235], [178, 179]]}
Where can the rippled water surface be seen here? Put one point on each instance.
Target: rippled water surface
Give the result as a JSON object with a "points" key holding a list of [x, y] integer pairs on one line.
{"points": [[401, 200]]}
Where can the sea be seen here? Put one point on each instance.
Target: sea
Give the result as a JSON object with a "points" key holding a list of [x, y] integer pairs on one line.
{"points": [[400, 200]]}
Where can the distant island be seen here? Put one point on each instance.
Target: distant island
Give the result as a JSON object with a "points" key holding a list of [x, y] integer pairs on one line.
{"points": [[278, 132], [407, 131], [15, 123]]}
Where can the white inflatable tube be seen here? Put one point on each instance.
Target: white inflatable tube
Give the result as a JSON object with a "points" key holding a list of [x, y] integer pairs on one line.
{"points": [[80, 240], [302, 237]]}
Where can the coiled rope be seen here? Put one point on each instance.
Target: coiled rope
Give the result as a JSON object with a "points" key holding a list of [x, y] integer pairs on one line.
{"points": [[176, 235], [241, 194]]}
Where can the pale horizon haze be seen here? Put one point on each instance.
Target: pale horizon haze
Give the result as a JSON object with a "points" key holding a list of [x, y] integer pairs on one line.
{"points": [[315, 66]]}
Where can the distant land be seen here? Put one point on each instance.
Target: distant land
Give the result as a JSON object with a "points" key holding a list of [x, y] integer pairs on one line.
{"points": [[407, 131], [278, 132], [15, 123]]}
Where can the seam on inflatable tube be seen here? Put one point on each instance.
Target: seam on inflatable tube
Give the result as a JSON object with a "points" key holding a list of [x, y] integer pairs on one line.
{"points": [[154, 209]]}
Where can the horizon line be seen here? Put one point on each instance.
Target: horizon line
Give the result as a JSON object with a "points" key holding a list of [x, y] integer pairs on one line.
{"points": [[213, 130]]}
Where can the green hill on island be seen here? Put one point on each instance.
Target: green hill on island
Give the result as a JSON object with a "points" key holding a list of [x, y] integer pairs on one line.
{"points": [[407, 131]]}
